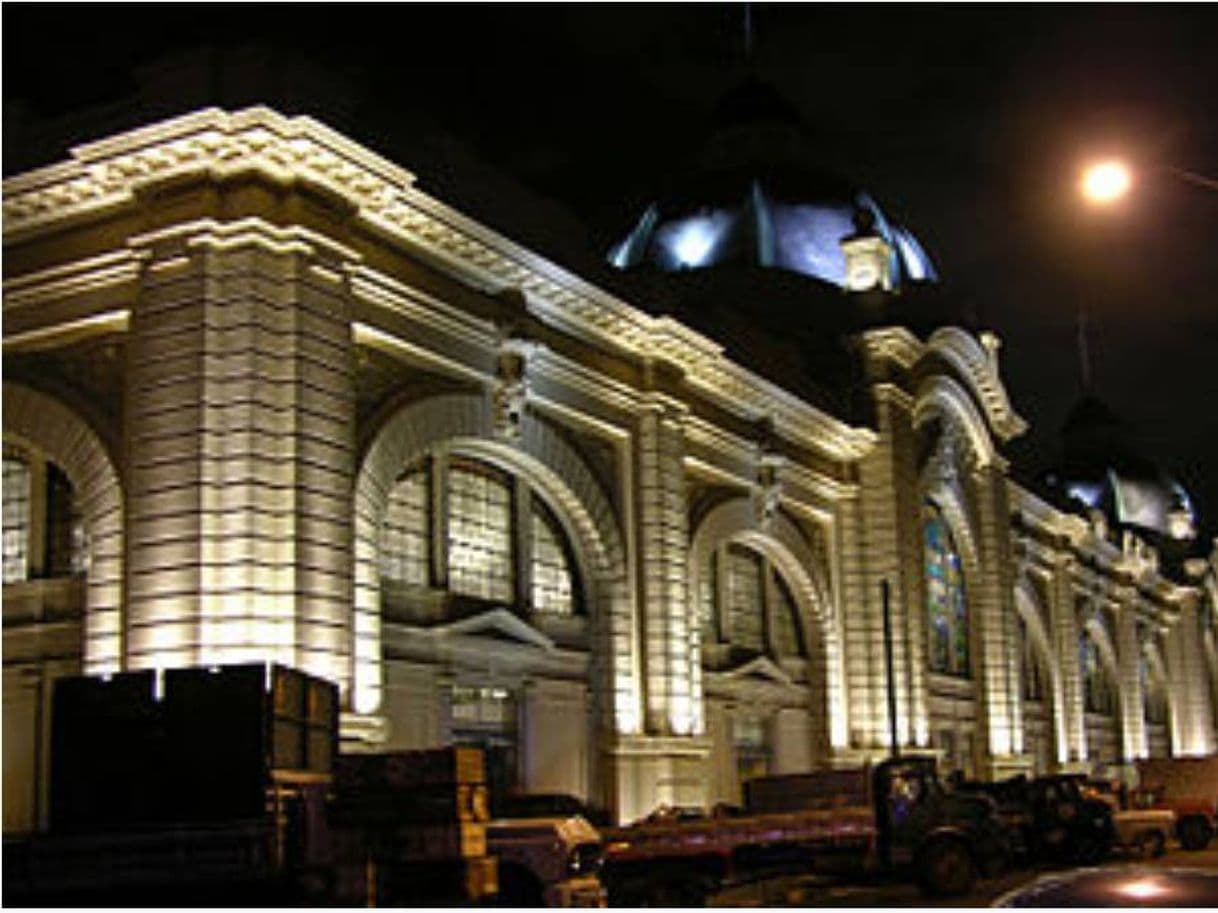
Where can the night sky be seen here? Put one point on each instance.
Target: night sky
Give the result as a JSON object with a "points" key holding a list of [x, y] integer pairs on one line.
{"points": [[969, 123]]}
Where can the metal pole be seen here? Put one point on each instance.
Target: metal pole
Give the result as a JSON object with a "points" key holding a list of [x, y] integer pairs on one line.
{"points": [[888, 668]]}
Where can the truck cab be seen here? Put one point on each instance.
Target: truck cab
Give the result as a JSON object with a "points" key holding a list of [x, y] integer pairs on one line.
{"points": [[551, 861], [946, 837]]}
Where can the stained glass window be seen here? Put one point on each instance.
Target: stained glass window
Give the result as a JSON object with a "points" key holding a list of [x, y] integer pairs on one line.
{"points": [[16, 520], [947, 609], [745, 600], [552, 590], [404, 535], [480, 532]]}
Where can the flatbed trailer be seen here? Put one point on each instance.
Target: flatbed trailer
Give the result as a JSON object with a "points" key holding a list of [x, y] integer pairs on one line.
{"points": [[891, 818]]}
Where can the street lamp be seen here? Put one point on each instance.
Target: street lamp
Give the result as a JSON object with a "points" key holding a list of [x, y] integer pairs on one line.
{"points": [[1106, 182], [1103, 183]]}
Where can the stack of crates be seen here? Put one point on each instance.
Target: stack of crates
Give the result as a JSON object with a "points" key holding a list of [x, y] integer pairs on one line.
{"points": [[411, 827]]}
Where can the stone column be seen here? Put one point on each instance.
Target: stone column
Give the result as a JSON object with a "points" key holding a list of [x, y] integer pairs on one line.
{"points": [[668, 626], [891, 512], [1129, 653], [1065, 634], [858, 707], [992, 606], [1192, 723], [240, 414]]}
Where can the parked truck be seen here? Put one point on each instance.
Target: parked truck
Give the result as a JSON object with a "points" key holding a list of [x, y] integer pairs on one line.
{"points": [[892, 818], [1050, 818], [1188, 787]]}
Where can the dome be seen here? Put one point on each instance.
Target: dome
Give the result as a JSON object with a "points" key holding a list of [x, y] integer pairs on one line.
{"points": [[1103, 471], [753, 199]]}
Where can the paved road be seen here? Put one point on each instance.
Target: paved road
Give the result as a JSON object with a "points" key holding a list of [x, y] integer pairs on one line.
{"points": [[807, 891]]}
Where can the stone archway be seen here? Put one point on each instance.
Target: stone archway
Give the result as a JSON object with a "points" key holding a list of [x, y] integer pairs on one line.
{"points": [[786, 548], [1029, 607], [1094, 628], [1156, 668], [560, 475], [65, 438]]}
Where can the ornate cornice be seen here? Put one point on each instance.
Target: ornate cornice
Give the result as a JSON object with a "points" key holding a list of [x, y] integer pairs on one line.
{"points": [[896, 344], [961, 350], [109, 174]]}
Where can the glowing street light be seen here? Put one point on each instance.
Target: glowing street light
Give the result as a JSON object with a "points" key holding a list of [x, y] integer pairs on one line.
{"points": [[1103, 183], [1106, 182]]}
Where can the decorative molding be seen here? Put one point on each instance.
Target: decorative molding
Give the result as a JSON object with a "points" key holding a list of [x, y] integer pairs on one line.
{"points": [[75, 278], [67, 333], [364, 335], [379, 290], [895, 344], [961, 349], [216, 144], [760, 668], [497, 623]]}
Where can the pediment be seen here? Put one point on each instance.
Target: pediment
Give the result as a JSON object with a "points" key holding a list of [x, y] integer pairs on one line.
{"points": [[500, 625], [760, 670]]}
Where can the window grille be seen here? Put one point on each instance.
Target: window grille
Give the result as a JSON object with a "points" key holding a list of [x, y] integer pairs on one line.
{"points": [[480, 533], [746, 605], [553, 593], [405, 532], [16, 518]]}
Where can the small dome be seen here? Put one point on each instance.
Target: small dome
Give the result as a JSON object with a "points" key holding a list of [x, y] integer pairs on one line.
{"points": [[1102, 470], [754, 200]]}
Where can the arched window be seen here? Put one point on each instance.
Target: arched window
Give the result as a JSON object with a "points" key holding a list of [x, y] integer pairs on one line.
{"points": [[744, 601], [946, 607], [1098, 695], [490, 534]]}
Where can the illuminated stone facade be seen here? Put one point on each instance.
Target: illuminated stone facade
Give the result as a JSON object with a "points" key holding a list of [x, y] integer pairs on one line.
{"points": [[309, 414]]}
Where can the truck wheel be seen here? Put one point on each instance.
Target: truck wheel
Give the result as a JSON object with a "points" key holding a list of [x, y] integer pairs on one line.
{"points": [[1195, 833], [947, 869], [1151, 844]]}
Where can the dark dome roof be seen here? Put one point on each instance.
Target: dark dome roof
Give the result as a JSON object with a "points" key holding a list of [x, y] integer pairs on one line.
{"points": [[1103, 470], [754, 199]]}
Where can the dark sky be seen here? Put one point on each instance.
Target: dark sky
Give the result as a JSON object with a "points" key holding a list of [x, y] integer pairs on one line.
{"points": [[967, 122]]}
